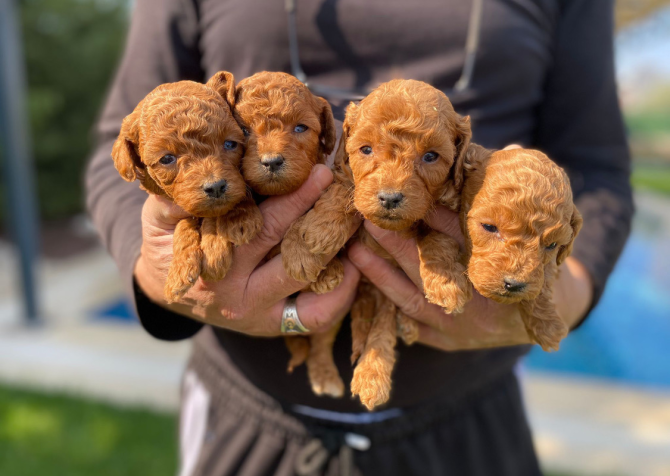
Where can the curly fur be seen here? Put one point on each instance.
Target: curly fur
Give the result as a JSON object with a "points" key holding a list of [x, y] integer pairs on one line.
{"points": [[400, 121], [191, 121], [269, 106], [528, 198]]}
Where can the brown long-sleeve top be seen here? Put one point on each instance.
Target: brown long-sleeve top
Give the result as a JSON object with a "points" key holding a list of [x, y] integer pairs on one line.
{"points": [[544, 78]]}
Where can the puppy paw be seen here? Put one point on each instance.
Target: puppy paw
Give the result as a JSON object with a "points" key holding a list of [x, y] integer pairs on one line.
{"points": [[327, 382], [408, 328], [450, 294], [329, 278], [241, 226], [299, 263], [324, 233], [549, 333], [372, 380], [181, 277]]}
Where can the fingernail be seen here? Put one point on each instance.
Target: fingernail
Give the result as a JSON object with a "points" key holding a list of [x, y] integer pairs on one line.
{"points": [[322, 176]]}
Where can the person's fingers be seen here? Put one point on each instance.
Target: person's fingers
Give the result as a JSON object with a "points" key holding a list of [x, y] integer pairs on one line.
{"points": [[512, 147], [317, 311], [269, 283], [436, 338], [397, 287], [162, 213], [401, 248], [278, 214], [445, 221]]}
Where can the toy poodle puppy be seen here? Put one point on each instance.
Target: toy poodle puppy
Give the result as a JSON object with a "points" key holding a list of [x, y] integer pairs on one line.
{"points": [[182, 142], [519, 224], [401, 153], [288, 130]]}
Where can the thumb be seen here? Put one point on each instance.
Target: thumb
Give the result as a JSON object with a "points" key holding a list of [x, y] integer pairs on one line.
{"points": [[445, 221], [162, 213]]}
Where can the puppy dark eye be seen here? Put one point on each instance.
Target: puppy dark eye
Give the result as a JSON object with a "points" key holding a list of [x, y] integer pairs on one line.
{"points": [[300, 128], [366, 149], [430, 157], [245, 131], [490, 228], [230, 145], [168, 159], [552, 246]]}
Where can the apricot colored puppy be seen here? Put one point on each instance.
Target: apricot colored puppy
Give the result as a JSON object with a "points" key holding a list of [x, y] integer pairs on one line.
{"points": [[401, 152], [182, 142], [519, 223], [288, 131]]}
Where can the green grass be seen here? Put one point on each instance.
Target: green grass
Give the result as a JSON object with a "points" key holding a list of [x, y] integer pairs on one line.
{"points": [[650, 177], [49, 435]]}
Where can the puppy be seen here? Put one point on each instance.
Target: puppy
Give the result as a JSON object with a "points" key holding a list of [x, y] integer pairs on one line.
{"points": [[402, 151], [288, 130], [182, 142], [519, 223]]}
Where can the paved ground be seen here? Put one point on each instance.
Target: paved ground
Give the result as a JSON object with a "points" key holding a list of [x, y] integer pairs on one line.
{"points": [[580, 425]]}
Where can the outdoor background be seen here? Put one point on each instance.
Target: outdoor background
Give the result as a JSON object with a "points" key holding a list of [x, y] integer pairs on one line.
{"points": [[87, 392]]}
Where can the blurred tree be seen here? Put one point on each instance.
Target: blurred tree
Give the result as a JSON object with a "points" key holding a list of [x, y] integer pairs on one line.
{"points": [[71, 48]]}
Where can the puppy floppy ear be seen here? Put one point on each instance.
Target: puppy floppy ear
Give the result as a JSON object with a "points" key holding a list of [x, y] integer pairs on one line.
{"points": [[462, 135], [124, 152], [328, 132], [341, 169], [576, 222], [223, 83]]}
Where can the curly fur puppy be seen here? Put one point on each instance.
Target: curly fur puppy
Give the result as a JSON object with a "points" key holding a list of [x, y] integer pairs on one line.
{"points": [[519, 223], [288, 130], [182, 142], [401, 152]]}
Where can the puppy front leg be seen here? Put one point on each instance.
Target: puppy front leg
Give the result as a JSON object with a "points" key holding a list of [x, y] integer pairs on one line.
{"points": [[186, 259], [329, 278], [442, 273], [217, 251], [241, 224], [372, 375], [322, 231], [299, 262], [543, 324], [327, 226], [323, 374]]}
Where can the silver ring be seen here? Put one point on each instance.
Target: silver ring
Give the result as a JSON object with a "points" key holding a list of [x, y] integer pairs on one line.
{"points": [[290, 323]]}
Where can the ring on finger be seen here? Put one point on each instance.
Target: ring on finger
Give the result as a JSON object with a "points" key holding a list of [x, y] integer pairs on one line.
{"points": [[290, 322]]}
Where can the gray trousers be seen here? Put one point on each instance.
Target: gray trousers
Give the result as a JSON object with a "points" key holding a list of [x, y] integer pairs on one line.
{"points": [[230, 427]]}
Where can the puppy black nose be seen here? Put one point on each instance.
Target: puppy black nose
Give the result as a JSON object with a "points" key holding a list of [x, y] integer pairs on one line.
{"points": [[273, 163], [216, 189], [390, 200], [514, 286]]}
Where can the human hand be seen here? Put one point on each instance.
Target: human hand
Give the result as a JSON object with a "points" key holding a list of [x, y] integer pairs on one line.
{"points": [[251, 298]]}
